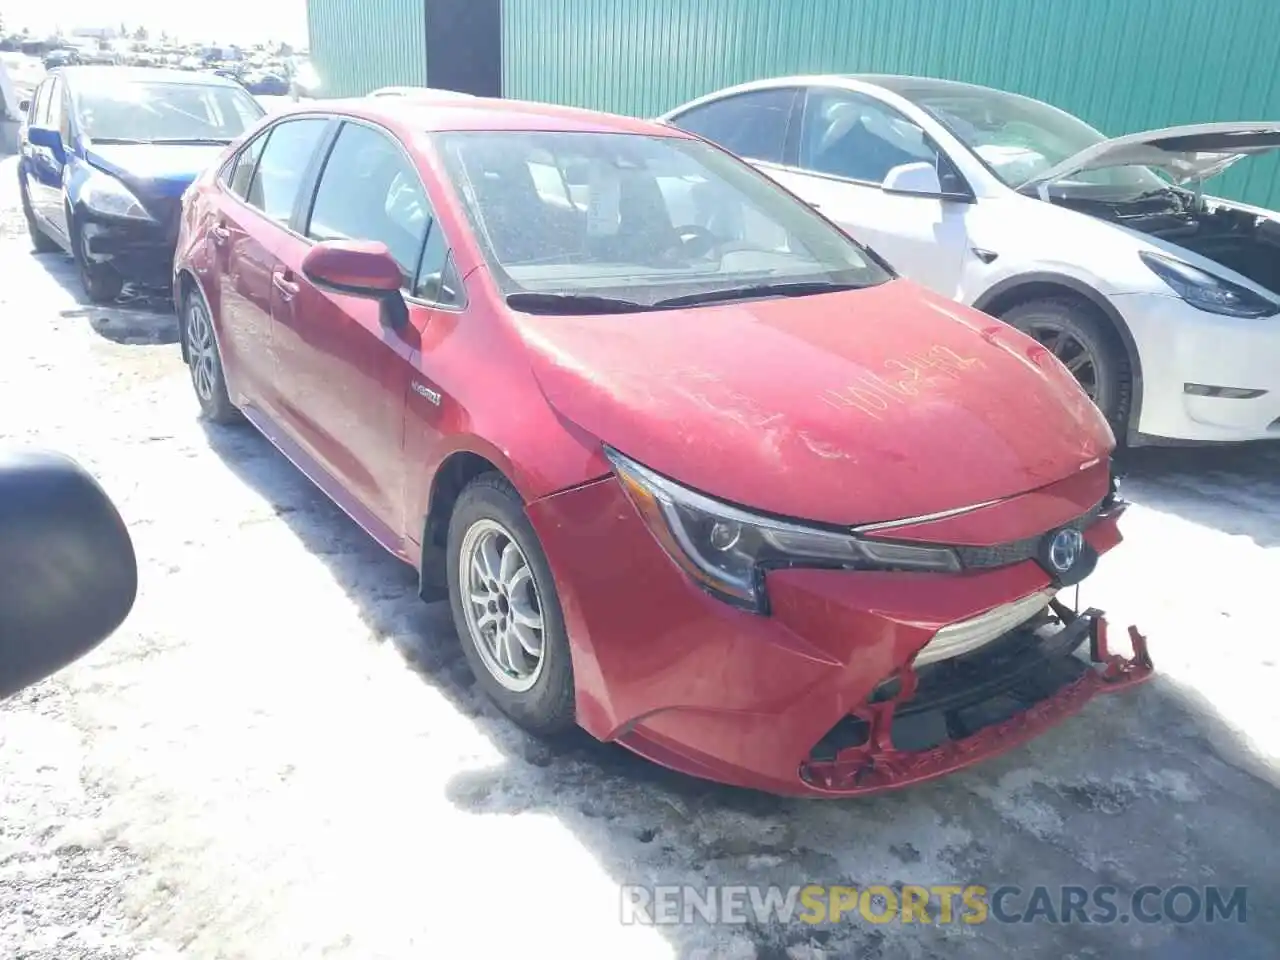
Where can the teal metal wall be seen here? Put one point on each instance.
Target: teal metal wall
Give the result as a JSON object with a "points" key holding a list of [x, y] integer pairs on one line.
{"points": [[1122, 65], [360, 45]]}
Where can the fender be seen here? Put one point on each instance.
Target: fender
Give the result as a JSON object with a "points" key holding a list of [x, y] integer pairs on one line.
{"points": [[1005, 294]]}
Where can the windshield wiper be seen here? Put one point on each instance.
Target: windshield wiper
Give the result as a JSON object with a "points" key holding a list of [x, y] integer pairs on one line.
{"points": [[805, 288], [112, 141], [572, 303]]}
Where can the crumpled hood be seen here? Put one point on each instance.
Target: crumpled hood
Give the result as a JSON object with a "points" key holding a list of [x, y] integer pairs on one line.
{"points": [[1193, 152], [845, 408], [159, 169]]}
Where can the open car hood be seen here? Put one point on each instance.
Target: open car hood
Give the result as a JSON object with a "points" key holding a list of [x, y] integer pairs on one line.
{"points": [[1194, 152]]}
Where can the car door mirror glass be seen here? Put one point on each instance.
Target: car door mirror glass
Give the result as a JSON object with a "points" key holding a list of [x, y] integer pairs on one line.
{"points": [[919, 178]]}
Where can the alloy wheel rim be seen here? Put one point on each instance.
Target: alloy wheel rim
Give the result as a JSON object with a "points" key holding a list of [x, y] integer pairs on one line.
{"points": [[201, 351], [1076, 355], [502, 605]]}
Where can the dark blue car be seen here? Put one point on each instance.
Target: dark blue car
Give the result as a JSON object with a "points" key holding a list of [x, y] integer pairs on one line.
{"points": [[107, 153]]}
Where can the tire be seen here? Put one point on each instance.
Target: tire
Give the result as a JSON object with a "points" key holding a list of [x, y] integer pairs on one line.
{"points": [[101, 282], [1056, 323], [200, 346], [538, 698], [41, 241]]}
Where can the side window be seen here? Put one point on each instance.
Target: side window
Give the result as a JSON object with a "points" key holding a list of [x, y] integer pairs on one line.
{"points": [[370, 191], [41, 108], [60, 112], [852, 136], [752, 125], [283, 165], [37, 98], [238, 175]]}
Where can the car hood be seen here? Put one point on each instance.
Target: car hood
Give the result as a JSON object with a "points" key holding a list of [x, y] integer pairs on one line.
{"points": [[165, 169], [846, 408], [1194, 152]]}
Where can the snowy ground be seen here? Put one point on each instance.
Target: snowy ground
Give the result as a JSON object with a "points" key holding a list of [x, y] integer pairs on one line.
{"points": [[281, 755]]}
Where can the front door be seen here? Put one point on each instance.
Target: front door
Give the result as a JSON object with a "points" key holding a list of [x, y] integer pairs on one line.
{"points": [[848, 144], [44, 185], [344, 376]]}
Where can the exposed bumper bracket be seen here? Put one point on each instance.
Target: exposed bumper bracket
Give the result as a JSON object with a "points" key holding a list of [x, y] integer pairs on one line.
{"points": [[877, 764]]}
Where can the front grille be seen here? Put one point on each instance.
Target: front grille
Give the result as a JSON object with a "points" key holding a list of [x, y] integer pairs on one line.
{"points": [[1006, 554]]}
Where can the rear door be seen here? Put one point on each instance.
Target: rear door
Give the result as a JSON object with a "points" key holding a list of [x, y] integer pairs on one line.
{"points": [[344, 376], [260, 191]]}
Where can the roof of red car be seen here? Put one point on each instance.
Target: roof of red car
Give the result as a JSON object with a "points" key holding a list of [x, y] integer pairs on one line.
{"points": [[426, 114]]}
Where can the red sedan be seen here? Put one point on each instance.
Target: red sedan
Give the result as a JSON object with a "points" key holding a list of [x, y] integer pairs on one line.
{"points": [[695, 470]]}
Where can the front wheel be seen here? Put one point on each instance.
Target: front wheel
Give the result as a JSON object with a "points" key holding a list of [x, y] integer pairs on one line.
{"points": [[506, 610], [101, 282], [201, 347], [1079, 336]]}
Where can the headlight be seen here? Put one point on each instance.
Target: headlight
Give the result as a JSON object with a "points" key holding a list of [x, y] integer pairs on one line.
{"points": [[106, 195], [1207, 292], [727, 550]]}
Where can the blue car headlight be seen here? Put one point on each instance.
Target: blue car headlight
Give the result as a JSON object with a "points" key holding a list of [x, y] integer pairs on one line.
{"points": [[1207, 292], [107, 196]]}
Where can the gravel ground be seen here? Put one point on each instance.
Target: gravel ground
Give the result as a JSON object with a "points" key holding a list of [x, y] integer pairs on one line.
{"points": [[280, 755]]}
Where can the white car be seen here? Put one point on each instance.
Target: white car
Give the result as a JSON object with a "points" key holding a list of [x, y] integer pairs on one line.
{"points": [[1163, 302]]}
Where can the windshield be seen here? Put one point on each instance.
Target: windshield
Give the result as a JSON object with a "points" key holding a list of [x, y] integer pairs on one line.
{"points": [[1020, 138], [639, 218], [147, 112]]}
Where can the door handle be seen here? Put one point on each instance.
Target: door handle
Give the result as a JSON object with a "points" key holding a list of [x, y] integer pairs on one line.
{"points": [[220, 234], [288, 289]]}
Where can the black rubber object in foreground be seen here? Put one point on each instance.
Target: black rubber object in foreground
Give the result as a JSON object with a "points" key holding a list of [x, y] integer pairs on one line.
{"points": [[68, 572]]}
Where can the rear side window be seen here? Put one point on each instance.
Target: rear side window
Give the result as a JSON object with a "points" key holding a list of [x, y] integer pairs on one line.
{"points": [[370, 191], [283, 164], [239, 175], [752, 125]]}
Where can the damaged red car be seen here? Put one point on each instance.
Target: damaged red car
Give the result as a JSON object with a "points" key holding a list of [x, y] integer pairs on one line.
{"points": [[695, 470]]}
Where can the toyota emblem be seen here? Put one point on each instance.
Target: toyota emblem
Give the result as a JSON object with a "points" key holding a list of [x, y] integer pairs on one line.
{"points": [[1065, 549]]}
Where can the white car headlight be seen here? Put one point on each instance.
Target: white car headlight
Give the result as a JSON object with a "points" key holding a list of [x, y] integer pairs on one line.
{"points": [[1205, 291], [727, 550], [109, 197]]}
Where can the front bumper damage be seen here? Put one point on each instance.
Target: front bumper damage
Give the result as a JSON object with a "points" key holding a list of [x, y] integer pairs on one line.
{"points": [[141, 252], [926, 723]]}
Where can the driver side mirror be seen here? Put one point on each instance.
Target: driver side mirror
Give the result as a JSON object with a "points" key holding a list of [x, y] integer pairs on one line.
{"points": [[46, 137], [70, 572], [362, 268], [913, 179]]}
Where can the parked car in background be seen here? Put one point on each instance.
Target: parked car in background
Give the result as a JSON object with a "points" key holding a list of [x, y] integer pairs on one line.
{"points": [[61, 57], [694, 469], [265, 84], [105, 157], [1161, 301]]}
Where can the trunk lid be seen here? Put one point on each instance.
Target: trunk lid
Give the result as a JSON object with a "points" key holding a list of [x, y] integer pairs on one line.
{"points": [[1187, 154], [844, 408]]}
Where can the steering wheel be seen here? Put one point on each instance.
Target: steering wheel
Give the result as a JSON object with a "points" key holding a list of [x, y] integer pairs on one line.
{"points": [[696, 240]]}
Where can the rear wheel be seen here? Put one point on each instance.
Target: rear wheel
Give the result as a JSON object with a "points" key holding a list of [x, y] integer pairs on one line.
{"points": [[201, 348], [42, 242], [1078, 335], [506, 610], [101, 282]]}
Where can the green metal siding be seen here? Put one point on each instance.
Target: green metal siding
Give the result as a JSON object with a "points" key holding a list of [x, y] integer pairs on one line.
{"points": [[1121, 65], [360, 45]]}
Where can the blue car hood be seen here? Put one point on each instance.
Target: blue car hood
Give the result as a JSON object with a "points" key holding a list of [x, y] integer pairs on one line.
{"points": [[154, 169]]}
